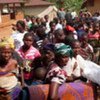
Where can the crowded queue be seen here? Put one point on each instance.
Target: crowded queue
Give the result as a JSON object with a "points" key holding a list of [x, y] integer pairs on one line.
{"points": [[40, 51]]}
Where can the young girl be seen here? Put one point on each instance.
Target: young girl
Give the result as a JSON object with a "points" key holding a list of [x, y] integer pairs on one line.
{"points": [[8, 71], [28, 53]]}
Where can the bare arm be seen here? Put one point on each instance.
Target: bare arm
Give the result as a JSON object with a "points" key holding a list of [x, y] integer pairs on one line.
{"points": [[53, 91], [12, 65]]}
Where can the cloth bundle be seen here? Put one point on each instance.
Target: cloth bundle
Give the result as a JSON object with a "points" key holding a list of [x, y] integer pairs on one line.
{"points": [[91, 71]]}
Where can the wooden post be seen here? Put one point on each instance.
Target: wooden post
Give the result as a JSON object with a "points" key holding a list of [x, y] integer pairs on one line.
{"points": [[22, 76]]}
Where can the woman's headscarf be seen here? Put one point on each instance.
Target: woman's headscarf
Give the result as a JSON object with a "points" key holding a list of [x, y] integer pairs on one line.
{"points": [[62, 49], [50, 47], [7, 42]]}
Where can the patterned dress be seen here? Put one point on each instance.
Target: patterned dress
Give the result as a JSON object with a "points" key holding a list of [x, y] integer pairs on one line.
{"points": [[56, 74]]}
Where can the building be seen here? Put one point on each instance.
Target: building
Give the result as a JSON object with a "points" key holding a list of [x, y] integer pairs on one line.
{"points": [[16, 9], [39, 8], [93, 5], [7, 13]]}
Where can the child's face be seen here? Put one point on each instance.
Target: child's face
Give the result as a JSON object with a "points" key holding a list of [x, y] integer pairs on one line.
{"points": [[85, 39], [6, 53], [53, 26], [60, 37], [28, 41], [76, 47], [19, 27]]}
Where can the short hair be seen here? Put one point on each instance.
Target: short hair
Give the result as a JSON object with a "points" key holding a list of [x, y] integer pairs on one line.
{"points": [[73, 41], [51, 23], [40, 73], [27, 35], [22, 23], [57, 32]]}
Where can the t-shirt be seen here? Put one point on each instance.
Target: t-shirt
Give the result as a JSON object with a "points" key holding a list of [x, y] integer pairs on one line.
{"points": [[31, 54], [18, 39]]}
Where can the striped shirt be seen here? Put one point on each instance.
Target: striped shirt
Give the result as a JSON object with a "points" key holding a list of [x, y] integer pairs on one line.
{"points": [[31, 54]]}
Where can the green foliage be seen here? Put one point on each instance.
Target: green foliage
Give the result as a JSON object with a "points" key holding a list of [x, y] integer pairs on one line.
{"points": [[73, 5]]}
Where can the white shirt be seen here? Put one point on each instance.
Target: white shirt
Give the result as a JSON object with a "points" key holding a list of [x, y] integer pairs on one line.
{"points": [[18, 39], [58, 26], [74, 14], [47, 27], [69, 68]]}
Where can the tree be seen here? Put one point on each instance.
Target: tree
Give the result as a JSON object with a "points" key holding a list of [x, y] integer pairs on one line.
{"points": [[73, 5]]}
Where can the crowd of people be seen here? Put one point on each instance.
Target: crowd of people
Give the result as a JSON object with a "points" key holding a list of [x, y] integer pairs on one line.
{"points": [[40, 51]]}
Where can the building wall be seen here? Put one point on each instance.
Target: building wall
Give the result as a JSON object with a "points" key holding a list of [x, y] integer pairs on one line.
{"points": [[94, 8], [19, 15], [0, 13], [33, 10], [0, 16], [5, 18], [52, 15]]}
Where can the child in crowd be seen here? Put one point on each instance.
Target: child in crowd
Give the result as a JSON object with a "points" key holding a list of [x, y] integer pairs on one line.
{"points": [[87, 47], [59, 36], [28, 53], [8, 73], [51, 32], [77, 49], [39, 76]]}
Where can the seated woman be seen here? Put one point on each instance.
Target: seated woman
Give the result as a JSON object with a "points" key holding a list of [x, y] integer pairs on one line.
{"points": [[28, 53], [8, 71], [48, 54]]}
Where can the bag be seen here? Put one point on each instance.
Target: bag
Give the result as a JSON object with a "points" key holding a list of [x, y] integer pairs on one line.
{"points": [[91, 71]]}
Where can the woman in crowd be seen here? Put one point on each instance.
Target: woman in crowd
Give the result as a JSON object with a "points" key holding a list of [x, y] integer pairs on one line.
{"points": [[48, 54], [56, 75], [9, 87]]}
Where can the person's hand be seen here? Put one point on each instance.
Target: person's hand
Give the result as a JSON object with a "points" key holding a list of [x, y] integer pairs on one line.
{"points": [[69, 78]]}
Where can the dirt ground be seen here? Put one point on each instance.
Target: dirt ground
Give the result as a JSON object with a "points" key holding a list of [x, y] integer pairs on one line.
{"points": [[6, 29], [5, 32]]}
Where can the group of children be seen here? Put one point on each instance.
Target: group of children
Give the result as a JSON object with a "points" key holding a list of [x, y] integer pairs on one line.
{"points": [[46, 52]]}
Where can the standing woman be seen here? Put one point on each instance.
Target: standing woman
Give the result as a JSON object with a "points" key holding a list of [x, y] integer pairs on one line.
{"points": [[28, 53]]}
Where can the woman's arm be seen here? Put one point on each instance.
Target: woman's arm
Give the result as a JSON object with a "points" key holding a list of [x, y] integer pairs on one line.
{"points": [[53, 91], [12, 65]]}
